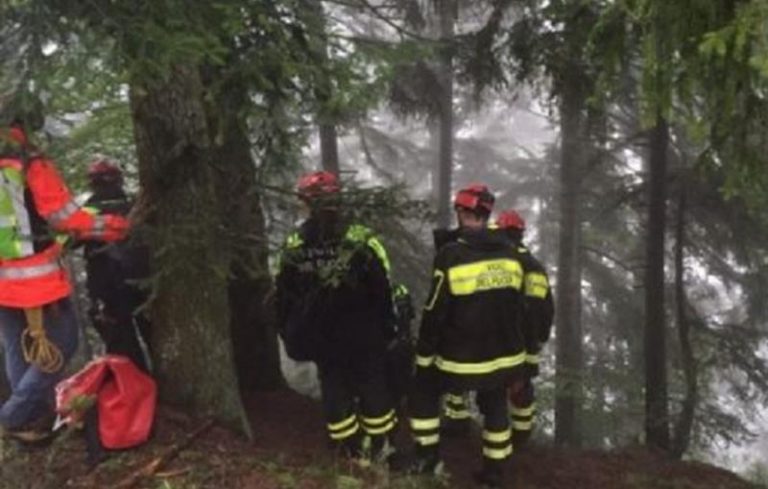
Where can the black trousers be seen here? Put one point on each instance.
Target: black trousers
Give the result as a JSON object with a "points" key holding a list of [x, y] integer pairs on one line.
{"points": [[119, 326], [424, 407], [357, 402]]}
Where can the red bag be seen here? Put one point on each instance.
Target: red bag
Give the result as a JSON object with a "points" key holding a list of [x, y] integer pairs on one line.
{"points": [[125, 397]]}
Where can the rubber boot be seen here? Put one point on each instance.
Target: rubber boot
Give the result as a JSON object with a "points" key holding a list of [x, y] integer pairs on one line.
{"points": [[491, 476]]}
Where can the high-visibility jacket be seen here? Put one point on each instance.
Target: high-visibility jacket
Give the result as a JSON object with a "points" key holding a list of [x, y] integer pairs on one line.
{"points": [[334, 284], [539, 308], [472, 323], [34, 204]]}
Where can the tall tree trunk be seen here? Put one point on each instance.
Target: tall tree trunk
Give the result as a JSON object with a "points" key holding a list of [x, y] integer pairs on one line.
{"points": [[257, 356], [326, 119], [656, 404], [190, 313], [684, 425], [329, 149], [444, 164], [569, 364]]}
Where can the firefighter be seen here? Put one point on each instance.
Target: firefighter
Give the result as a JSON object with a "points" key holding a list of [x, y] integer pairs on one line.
{"points": [[539, 314], [37, 318], [471, 337], [335, 308], [112, 270]]}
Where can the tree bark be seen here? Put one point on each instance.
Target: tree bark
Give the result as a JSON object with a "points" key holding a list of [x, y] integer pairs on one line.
{"points": [[329, 149], [684, 425], [254, 334], [656, 403], [569, 364], [326, 119], [444, 164], [190, 313]]}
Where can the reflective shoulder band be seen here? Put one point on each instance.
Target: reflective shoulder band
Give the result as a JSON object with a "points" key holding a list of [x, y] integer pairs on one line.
{"points": [[61, 215], [33, 271], [536, 285]]}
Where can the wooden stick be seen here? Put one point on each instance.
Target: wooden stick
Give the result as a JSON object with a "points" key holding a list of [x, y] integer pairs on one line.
{"points": [[154, 465]]}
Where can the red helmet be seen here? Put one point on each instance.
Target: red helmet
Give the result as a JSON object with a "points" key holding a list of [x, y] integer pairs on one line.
{"points": [[317, 184], [475, 197], [104, 170], [510, 219]]}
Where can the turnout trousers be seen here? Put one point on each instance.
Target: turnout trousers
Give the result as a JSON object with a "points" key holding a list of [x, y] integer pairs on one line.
{"points": [[429, 385], [359, 411]]}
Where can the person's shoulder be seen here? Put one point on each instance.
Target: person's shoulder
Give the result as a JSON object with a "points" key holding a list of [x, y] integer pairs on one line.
{"points": [[358, 232]]}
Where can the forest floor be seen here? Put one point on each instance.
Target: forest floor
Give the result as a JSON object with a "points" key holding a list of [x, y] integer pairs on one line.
{"points": [[289, 452]]}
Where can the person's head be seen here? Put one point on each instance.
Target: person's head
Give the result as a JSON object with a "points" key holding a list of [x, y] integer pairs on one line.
{"points": [[319, 191], [512, 223], [104, 174], [473, 205]]}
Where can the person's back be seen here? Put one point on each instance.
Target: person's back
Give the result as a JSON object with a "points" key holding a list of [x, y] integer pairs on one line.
{"points": [[479, 333], [471, 336]]}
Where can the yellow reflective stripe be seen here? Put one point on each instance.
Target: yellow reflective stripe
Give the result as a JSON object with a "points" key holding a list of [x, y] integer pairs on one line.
{"points": [[522, 425], [380, 419], [427, 440], [362, 234], [342, 424], [536, 285], [457, 413], [294, 240], [523, 411], [497, 453], [532, 358], [425, 361], [503, 273], [345, 434], [480, 367], [380, 430], [440, 275], [424, 424], [455, 398], [497, 436], [378, 248], [400, 290]]}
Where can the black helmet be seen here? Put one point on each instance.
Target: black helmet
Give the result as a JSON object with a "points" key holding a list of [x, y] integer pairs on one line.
{"points": [[23, 109]]}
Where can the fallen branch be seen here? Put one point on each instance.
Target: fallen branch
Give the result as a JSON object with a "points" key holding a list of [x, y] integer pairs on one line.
{"points": [[169, 454]]}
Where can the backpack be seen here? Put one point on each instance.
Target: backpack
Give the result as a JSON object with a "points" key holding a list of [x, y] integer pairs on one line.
{"points": [[124, 396]]}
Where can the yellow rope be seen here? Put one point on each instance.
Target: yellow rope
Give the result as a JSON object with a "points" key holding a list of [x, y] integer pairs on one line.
{"points": [[37, 348]]}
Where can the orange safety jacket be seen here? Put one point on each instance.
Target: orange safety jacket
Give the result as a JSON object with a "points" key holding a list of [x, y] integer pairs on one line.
{"points": [[37, 277]]}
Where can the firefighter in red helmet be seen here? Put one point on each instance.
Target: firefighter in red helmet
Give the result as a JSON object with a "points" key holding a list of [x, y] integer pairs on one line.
{"points": [[335, 309], [471, 337], [37, 319], [113, 270], [539, 314]]}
